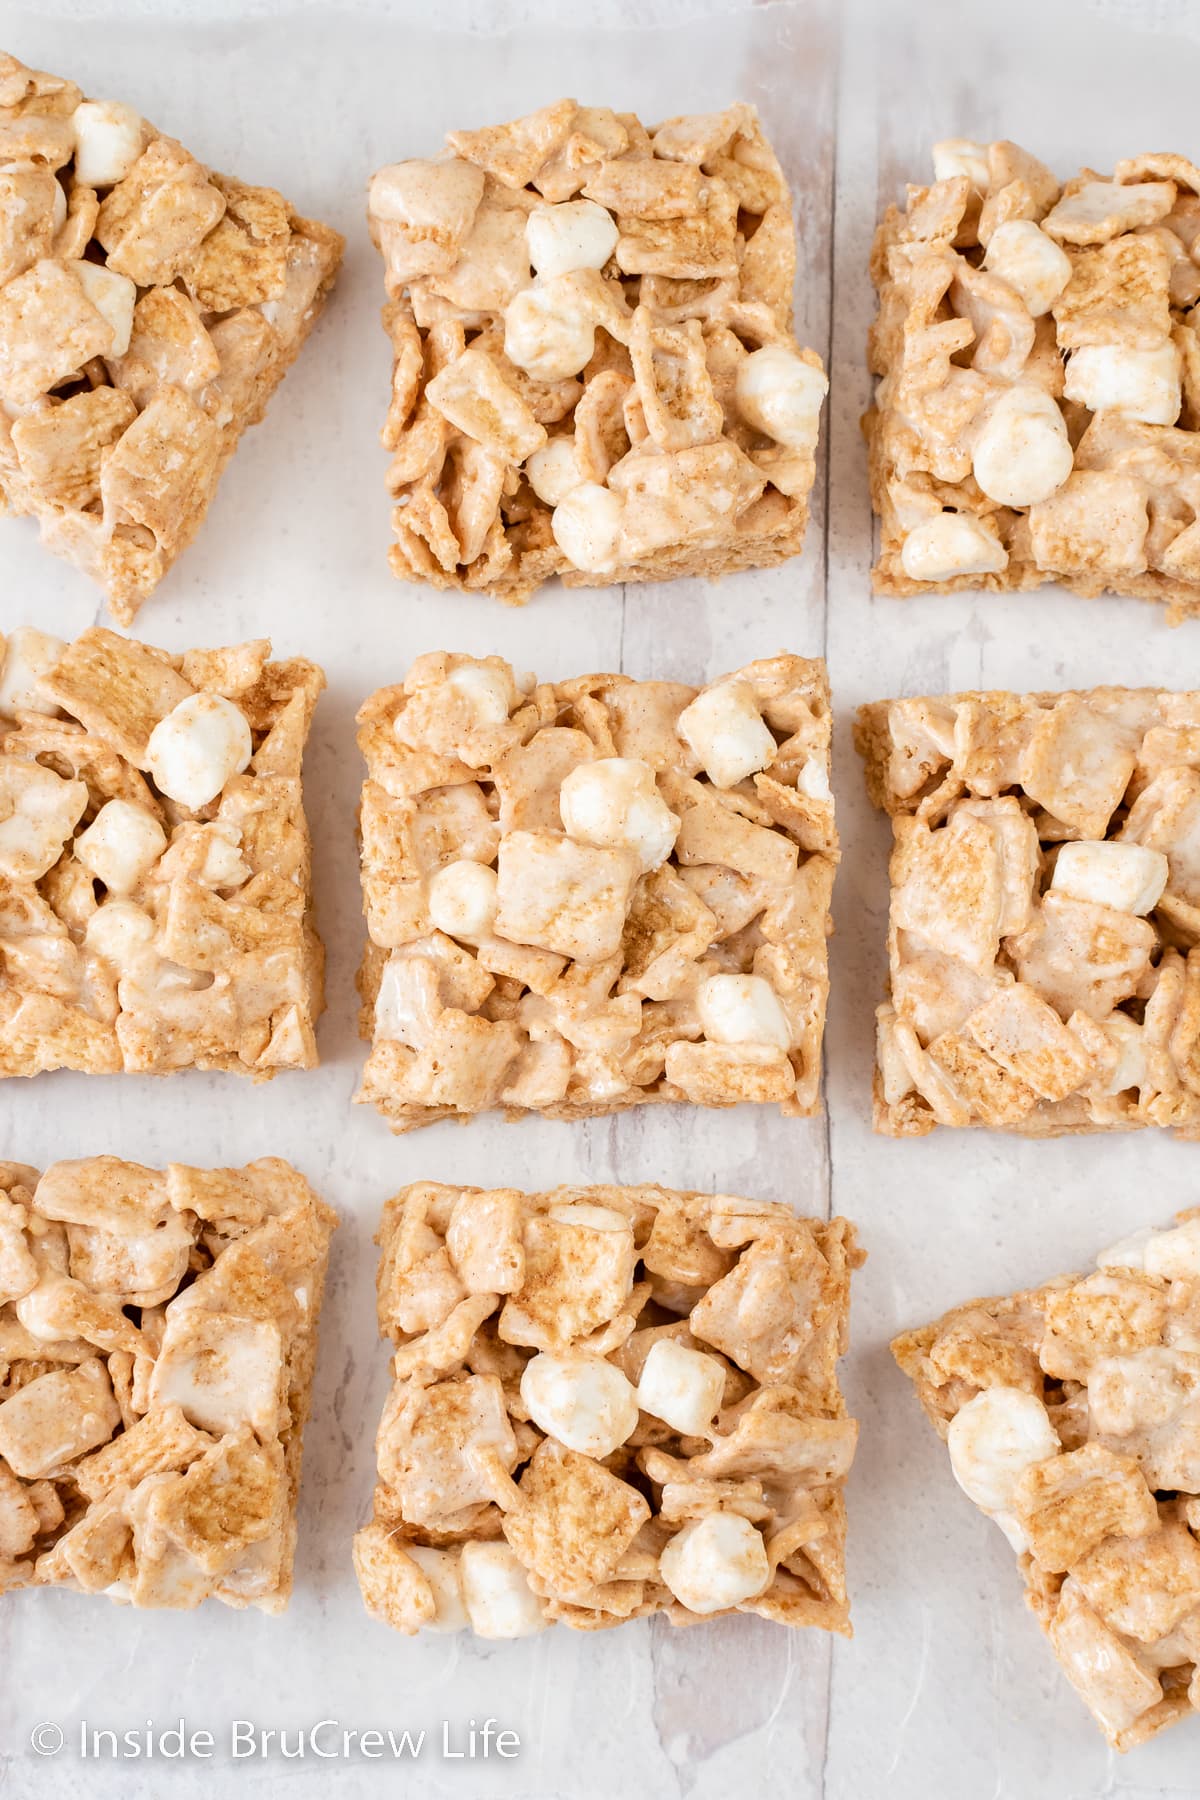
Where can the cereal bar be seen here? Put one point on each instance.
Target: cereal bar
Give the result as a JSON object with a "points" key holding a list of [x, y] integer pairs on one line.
{"points": [[1038, 399], [157, 1338], [608, 1402], [1045, 910], [596, 893], [1071, 1417], [148, 310], [594, 372], [155, 905]]}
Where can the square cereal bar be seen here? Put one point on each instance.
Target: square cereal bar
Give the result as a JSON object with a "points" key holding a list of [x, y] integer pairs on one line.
{"points": [[594, 894], [594, 368], [608, 1402], [1038, 406], [1071, 1418], [148, 310], [155, 878], [1045, 910], [157, 1336]]}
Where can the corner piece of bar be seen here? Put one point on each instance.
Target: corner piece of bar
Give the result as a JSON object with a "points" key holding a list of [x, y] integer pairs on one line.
{"points": [[608, 1402]]}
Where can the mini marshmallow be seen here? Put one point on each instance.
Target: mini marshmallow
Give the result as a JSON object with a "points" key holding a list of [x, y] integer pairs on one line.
{"points": [[587, 527], [487, 690], [496, 1593], [993, 1439], [952, 545], [108, 141], [1022, 453], [583, 1401], [591, 1217], [742, 1009], [1128, 1252], [547, 333], [28, 655], [1174, 1255], [577, 234], [715, 1562], [121, 845], [195, 750], [780, 394], [1125, 876], [118, 931], [462, 900], [114, 298], [961, 156], [1034, 266], [553, 471], [442, 1571], [813, 779], [682, 1387], [725, 729], [614, 803], [38, 812], [1141, 384]]}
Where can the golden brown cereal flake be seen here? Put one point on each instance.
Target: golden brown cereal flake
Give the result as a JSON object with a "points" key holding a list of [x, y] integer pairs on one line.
{"points": [[1072, 1417], [180, 1483], [594, 894], [148, 310], [608, 1402]]}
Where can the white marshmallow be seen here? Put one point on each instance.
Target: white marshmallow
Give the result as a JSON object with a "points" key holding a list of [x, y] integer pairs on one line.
{"points": [[108, 141], [1128, 1252], [499, 1600], [587, 528], [553, 471], [589, 1216], [1174, 1255], [715, 1562], [742, 1009], [487, 690], [949, 546], [442, 1571], [401, 1004], [121, 845], [1126, 876], [462, 900], [1142, 384], [119, 932], [195, 750], [114, 297], [780, 394], [28, 655], [725, 729], [1034, 266], [577, 234], [681, 1387], [546, 331], [583, 1401], [1131, 1070], [993, 1439], [813, 779], [961, 156], [614, 804], [1022, 453], [38, 812]]}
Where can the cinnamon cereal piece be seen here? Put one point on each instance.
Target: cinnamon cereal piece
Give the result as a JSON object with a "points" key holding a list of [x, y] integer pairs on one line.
{"points": [[148, 310], [154, 858], [1044, 942], [180, 1483], [632, 403], [1037, 400], [595, 894], [552, 1451], [1090, 1463]]}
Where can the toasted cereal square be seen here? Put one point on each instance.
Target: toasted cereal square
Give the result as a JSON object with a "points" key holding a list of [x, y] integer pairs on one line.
{"points": [[593, 894], [1038, 378], [1044, 941], [158, 1332], [155, 879], [594, 370], [1093, 1474], [149, 308], [642, 1416]]}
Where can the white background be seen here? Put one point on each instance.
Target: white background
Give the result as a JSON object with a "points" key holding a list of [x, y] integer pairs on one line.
{"points": [[946, 1690]]}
